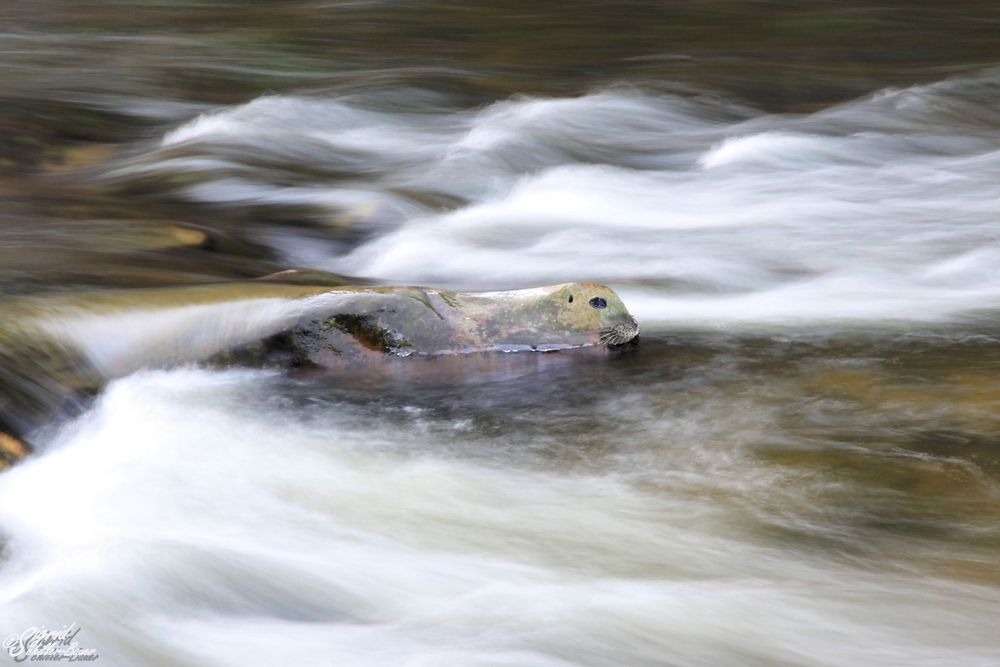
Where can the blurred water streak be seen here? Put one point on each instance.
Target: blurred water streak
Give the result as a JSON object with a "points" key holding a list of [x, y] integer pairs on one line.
{"points": [[799, 466]]}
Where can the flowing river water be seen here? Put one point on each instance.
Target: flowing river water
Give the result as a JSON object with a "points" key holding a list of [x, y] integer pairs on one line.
{"points": [[800, 202]]}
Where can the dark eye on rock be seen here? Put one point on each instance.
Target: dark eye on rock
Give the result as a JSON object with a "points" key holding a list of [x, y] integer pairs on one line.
{"points": [[598, 302], [571, 298]]}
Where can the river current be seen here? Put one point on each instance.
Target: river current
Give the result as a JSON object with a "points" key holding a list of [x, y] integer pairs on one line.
{"points": [[798, 465]]}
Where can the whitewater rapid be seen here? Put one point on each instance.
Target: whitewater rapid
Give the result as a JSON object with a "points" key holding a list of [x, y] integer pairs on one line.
{"points": [[821, 494], [702, 212], [196, 517]]}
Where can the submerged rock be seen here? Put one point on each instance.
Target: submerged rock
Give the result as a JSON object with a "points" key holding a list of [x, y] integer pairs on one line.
{"points": [[12, 450]]}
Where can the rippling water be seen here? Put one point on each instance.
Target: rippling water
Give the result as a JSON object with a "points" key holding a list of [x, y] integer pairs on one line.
{"points": [[703, 212], [800, 465]]}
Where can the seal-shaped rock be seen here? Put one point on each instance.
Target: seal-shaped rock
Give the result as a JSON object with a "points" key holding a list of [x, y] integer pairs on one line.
{"points": [[114, 333], [68, 345], [403, 321], [86, 338]]}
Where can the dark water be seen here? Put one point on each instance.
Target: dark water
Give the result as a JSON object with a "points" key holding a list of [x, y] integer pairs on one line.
{"points": [[800, 465]]}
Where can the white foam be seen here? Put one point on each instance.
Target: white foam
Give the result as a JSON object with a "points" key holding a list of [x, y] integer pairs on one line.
{"points": [[872, 210], [190, 518], [122, 341], [773, 147]]}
